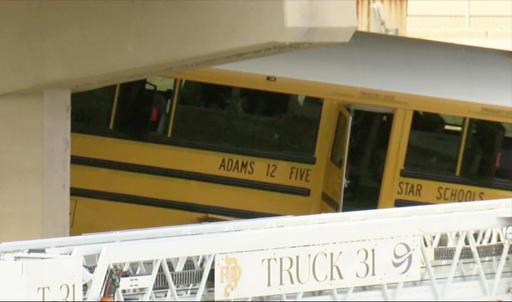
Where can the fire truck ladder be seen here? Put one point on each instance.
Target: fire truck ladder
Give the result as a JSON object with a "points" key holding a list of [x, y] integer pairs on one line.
{"points": [[436, 252]]}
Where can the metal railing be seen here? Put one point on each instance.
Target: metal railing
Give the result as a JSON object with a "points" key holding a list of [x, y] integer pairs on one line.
{"points": [[439, 252]]}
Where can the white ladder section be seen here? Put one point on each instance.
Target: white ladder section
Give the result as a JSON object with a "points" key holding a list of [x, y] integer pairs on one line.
{"points": [[438, 252]]}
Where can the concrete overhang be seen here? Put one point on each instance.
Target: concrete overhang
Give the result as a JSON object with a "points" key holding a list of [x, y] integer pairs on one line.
{"points": [[81, 45]]}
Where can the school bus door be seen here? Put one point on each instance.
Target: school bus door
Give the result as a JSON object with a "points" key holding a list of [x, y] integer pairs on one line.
{"points": [[334, 178]]}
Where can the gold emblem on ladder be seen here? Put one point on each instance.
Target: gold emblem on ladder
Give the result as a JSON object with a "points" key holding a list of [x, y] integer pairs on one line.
{"points": [[230, 273]]}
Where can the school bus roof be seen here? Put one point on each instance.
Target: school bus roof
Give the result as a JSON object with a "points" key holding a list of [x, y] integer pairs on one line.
{"points": [[398, 64]]}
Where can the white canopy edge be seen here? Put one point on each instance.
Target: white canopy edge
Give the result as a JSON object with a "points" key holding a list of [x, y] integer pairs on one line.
{"points": [[398, 64]]}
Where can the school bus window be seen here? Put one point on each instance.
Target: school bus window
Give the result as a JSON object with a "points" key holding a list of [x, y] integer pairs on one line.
{"points": [[488, 151], [247, 118], [434, 143], [143, 109], [91, 110]]}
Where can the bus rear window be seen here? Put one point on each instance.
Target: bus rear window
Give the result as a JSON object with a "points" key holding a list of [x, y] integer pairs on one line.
{"points": [[247, 118]]}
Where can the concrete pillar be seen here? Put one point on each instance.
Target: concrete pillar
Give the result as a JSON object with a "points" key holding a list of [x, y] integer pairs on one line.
{"points": [[34, 164]]}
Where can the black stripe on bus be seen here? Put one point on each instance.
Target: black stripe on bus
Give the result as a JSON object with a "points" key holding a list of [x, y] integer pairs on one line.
{"points": [[499, 184], [155, 139], [223, 180], [408, 203], [330, 201], [165, 203]]}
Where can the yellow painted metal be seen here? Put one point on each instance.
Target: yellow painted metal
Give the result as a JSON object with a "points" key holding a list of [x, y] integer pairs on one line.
{"points": [[395, 157], [95, 215], [114, 107], [429, 191], [462, 146], [183, 191], [176, 91], [192, 160], [190, 191], [323, 152]]}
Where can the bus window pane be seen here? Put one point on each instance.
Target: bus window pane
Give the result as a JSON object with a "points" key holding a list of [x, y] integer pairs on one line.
{"points": [[143, 108], [90, 110], [247, 118], [488, 151], [434, 143]]}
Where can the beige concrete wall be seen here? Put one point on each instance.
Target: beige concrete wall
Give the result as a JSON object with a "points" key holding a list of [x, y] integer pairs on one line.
{"points": [[34, 165], [81, 43], [486, 23], [21, 167]]}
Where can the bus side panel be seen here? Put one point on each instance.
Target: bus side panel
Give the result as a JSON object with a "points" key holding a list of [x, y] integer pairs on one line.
{"points": [[321, 202], [105, 200], [183, 190], [95, 215], [395, 157], [89, 149], [428, 191]]}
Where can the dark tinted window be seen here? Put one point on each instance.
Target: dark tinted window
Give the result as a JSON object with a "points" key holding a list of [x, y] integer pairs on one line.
{"points": [[91, 110], [247, 118], [434, 143], [142, 109], [488, 151]]}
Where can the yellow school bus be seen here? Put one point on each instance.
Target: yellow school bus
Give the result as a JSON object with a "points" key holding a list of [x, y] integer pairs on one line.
{"points": [[378, 122]]}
